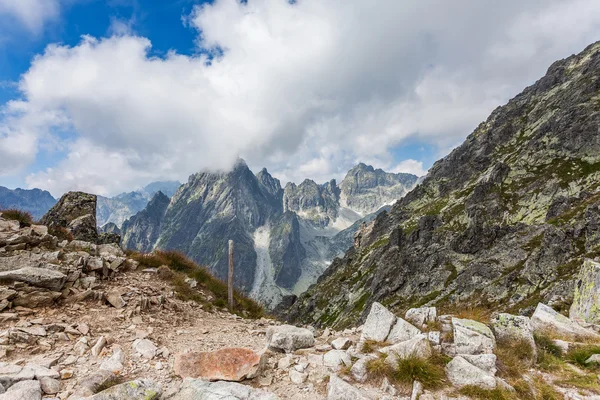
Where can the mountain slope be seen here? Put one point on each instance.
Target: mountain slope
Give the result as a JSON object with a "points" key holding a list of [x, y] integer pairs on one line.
{"points": [[505, 219], [141, 231], [34, 201]]}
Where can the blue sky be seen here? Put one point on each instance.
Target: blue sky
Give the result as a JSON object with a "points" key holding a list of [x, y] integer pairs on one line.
{"points": [[106, 96]]}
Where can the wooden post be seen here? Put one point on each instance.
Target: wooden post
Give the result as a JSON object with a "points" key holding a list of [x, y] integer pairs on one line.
{"points": [[230, 277]]}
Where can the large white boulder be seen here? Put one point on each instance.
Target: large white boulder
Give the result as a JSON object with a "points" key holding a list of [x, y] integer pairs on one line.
{"points": [[472, 337], [421, 316], [586, 299], [359, 370], [418, 346], [30, 390], [462, 373], [336, 358], [402, 331], [337, 389], [545, 320], [289, 338], [508, 327], [379, 323]]}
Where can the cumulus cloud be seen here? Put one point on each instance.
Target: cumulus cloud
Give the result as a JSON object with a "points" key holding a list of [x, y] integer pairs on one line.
{"points": [[307, 89], [410, 167], [31, 13]]}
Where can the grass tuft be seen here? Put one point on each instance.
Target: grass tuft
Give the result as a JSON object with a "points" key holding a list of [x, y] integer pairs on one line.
{"points": [[370, 346], [24, 218], [475, 392], [429, 371], [579, 355], [515, 357], [183, 267], [61, 233]]}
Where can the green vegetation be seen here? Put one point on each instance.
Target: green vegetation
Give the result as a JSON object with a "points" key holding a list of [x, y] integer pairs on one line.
{"points": [[514, 357], [579, 355], [369, 346], [475, 392], [183, 267], [429, 371], [24, 218]]}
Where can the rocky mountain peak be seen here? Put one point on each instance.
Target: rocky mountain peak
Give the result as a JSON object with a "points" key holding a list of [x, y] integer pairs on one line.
{"points": [[271, 185]]}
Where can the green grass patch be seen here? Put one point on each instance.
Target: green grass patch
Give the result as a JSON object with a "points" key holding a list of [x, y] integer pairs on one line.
{"points": [[475, 392], [579, 355]]}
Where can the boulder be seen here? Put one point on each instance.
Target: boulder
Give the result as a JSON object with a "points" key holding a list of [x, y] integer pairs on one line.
{"points": [[114, 363], [139, 389], [49, 385], [338, 389], [231, 364], [486, 362], [289, 338], [418, 346], [40, 277], [379, 323], [145, 348], [336, 358], [341, 343], [11, 374], [75, 211], [359, 370], [586, 299], [100, 379], [472, 337], [461, 373], [115, 299], [402, 331], [297, 377], [545, 320], [197, 389], [29, 389], [421, 316], [508, 327]]}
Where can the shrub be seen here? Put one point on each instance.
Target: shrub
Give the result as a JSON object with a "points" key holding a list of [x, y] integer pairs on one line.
{"points": [[370, 346], [429, 371], [61, 233], [24, 218], [379, 368], [514, 357]]}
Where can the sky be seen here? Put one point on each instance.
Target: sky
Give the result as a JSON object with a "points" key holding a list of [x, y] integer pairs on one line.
{"points": [[107, 96]]}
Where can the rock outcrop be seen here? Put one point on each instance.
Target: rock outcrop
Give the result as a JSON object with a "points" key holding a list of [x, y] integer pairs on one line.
{"points": [[76, 212]]}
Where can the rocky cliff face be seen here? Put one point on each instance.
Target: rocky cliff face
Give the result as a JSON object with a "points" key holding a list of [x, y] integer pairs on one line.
{"points": [[506, 219], [141, 231], [117, 209], [35, 201], [365, 189], [284, 238]]}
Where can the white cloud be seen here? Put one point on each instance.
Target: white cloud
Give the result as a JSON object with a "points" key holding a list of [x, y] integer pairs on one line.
{"points": [[307, 89], [31, 13], [410, 167]]}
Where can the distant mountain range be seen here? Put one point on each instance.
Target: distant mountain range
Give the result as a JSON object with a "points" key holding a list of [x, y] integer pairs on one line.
{"points": [[115, 209], [284, 237], [34, 201]]}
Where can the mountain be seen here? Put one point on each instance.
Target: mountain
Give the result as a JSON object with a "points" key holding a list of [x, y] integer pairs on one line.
{"points": [[504, 221], [117, 209], [35, 201], [284, 237]]}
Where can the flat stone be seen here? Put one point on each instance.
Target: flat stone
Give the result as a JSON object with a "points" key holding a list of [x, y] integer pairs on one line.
{"points": [[297, 377], [462, 373], [289, 338], [196, 389], [139, 389], [341, 343], [99, 379], [379, 323], [336, 358], [337, 389], [231, 364], [40, 277], [115, 299], [472, 337], [11, 374], [115, 362], [486, 362], [42, 372]]}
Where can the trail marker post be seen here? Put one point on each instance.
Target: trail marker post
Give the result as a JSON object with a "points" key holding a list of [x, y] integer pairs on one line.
{"points": [[230, 276]]}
